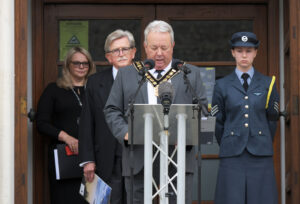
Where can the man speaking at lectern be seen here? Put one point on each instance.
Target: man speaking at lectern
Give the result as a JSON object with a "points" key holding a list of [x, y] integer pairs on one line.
{"points": [[158, 44]]}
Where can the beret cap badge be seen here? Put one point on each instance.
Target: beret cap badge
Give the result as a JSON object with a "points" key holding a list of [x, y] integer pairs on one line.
{"points": [[244, 38]]}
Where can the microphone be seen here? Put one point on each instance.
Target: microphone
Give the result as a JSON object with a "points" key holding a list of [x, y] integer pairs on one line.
{"points": [[180, 65], [177, 63], [165, 93], [149, 64]]}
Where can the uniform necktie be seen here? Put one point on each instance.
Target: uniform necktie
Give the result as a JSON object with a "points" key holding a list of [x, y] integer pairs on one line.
{"points": [[158, 77], [245, 76]]}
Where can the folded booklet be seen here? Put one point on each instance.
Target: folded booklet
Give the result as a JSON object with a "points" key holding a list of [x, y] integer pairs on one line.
{"points": [[66, 163], [95, 192]]}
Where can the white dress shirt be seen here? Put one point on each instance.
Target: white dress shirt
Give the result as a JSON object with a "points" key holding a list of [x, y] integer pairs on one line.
{"points": [[152, 99], [114, 72]]}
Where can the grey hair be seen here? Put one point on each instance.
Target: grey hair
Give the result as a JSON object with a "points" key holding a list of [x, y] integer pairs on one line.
{"points": [[116, 35], [160, 27]]}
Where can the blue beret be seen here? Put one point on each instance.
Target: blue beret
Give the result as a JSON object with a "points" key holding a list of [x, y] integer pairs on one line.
{"points": [[244, 39]]}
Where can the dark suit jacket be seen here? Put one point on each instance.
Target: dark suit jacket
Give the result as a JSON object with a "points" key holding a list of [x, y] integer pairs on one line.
{"points": [[96, 143], [242, 119], [124, 88]]}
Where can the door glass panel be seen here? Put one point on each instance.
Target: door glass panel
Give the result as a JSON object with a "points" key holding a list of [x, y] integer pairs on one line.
{"points": [[222, 71], [206, 40], [59, 71], [98, 30]]}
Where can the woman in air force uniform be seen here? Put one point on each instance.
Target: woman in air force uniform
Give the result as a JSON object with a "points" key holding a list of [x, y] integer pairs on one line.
{"points": [[245, 104]]}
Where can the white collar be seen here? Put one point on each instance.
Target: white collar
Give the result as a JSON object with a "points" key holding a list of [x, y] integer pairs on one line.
{"points": [[114, 72], [164, 71]]}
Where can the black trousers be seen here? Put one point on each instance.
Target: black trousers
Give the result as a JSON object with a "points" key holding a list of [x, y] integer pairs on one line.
{"points": [[63, 191], [117, 183]]}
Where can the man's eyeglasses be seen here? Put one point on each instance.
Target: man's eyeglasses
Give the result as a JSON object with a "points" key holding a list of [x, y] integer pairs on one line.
{"points": [[116, 52], [77, 64]]}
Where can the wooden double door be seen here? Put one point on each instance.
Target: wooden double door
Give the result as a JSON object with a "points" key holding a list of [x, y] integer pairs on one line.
{"points": [[202, 34]]}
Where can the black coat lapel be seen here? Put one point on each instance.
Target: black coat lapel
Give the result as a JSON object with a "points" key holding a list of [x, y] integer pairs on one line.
{"points": [[105, 83], [143, 90]]}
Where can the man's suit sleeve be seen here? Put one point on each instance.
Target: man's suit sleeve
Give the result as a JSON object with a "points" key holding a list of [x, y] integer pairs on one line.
{"points": [[217, 110], [202, 93], [114, 109], [87, 126]]}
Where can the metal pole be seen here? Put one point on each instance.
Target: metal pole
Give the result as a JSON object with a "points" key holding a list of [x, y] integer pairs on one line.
{"points": [[163, 176], [199, 159], [181, 136], [282, 105], [131, 156], [148, 158]]}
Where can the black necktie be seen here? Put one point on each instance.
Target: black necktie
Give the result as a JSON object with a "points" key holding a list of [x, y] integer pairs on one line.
{"points": [[245, 76], [158, 77], [159, 74]]}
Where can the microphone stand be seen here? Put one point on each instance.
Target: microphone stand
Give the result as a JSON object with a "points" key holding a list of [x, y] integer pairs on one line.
{"points": [[197, 101], [130, 111]]}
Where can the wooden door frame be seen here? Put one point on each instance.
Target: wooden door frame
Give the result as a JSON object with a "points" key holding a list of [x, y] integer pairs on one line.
{"points": [[292, 47], [20, 106], [157, 1], [38, 62]]}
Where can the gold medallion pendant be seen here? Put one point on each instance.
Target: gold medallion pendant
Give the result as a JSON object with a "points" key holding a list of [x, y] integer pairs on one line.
{"points": [[156, 90]]}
